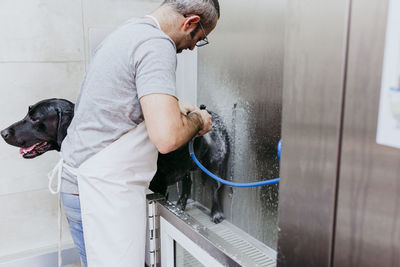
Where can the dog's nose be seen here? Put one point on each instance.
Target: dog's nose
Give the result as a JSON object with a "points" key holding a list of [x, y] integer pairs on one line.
{"points": [[5, 133]]}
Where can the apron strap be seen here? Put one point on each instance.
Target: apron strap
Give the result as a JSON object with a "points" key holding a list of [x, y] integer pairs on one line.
{"points": [[56, 172], [155, 20]]}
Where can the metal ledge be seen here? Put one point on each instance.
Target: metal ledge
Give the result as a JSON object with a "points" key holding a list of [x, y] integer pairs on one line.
{"points": [[233, 248]]}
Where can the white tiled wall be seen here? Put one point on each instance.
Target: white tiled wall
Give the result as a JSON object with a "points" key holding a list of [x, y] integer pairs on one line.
{"points": [[106, 14], [43, 49], [29, 222], [186, 76], [41, 30]]}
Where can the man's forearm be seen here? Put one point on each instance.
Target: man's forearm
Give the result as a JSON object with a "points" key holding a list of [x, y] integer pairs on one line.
{"points": [[181, 133], [168, 128]]}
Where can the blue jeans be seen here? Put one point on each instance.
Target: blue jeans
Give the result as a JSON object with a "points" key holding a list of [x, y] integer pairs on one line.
{"points": [[72, 209]]}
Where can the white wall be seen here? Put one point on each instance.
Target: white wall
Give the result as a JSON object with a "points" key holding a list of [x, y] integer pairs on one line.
{"points": [[186, 76], [44, 45]]}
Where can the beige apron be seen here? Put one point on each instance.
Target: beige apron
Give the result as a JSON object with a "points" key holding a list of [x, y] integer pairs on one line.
{"points": [[112, 190], [112, 187]]}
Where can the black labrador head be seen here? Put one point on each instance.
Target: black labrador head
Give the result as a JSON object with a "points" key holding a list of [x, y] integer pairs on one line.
{"points": [[43, 128]]}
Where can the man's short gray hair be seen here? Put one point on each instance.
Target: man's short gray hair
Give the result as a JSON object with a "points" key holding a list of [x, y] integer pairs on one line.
{"points": [[208, 10]]}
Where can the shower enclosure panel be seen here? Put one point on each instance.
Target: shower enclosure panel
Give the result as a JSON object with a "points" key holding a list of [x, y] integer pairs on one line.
{"points": [[368, 202], [240, 77], [339, 192]]}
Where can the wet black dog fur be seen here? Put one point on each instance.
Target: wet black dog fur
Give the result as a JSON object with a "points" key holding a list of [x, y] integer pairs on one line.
{"points": [[46, 125]]}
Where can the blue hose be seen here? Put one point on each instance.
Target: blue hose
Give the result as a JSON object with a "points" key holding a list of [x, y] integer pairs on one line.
{"points": [[267, 182], [279, 149]]}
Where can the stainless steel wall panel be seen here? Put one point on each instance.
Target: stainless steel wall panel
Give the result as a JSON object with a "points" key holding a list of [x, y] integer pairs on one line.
{"points": [[368, 217], [314, 67], [240, 77]]}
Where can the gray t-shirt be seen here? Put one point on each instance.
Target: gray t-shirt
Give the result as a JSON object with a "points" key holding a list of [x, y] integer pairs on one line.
{"points": [[136, 59]]}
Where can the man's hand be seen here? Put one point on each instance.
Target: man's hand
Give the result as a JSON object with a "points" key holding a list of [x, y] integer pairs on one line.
{"points": [[186, 107], [206, 119]]}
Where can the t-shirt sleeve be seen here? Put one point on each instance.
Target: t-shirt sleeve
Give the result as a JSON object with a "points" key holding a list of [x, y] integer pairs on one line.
{"points": [[155, 63]]}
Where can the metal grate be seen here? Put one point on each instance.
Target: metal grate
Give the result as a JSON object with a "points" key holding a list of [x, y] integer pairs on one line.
{"points": [[255, 252]]}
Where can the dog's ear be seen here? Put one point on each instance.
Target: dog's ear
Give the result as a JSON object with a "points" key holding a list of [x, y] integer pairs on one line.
{"points": [[62, 126]]}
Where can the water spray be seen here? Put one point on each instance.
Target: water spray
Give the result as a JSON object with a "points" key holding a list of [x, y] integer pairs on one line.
{"points": [[226, 182]]}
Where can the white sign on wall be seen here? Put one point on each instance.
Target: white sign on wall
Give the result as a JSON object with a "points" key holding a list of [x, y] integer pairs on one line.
{"points": [[388, 132]]}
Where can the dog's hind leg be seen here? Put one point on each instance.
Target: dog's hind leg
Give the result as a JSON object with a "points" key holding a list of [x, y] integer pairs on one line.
{"points": [[186, 187], [217, 214]]}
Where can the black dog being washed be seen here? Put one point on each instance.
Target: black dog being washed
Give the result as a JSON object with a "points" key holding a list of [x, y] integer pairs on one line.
{"points": [[45, 127]]}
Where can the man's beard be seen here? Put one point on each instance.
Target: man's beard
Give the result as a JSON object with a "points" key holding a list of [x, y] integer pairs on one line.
{"points": [[188, 37]]}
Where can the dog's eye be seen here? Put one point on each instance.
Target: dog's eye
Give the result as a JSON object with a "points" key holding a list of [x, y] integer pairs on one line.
{"points": [[39, 126], [34, 119]]}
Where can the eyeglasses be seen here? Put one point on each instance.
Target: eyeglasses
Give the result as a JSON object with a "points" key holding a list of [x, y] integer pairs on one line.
{"points": [[204, 41]]}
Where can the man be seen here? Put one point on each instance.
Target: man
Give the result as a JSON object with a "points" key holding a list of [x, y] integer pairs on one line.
{"points": [[126, 112]]}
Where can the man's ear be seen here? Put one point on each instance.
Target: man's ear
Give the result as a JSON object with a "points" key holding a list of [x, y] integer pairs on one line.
{"points": [[190, 22]]}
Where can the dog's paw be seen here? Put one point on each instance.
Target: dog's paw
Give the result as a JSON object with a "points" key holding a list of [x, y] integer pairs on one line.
{"points": [[218, 217], [181, 204]]}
